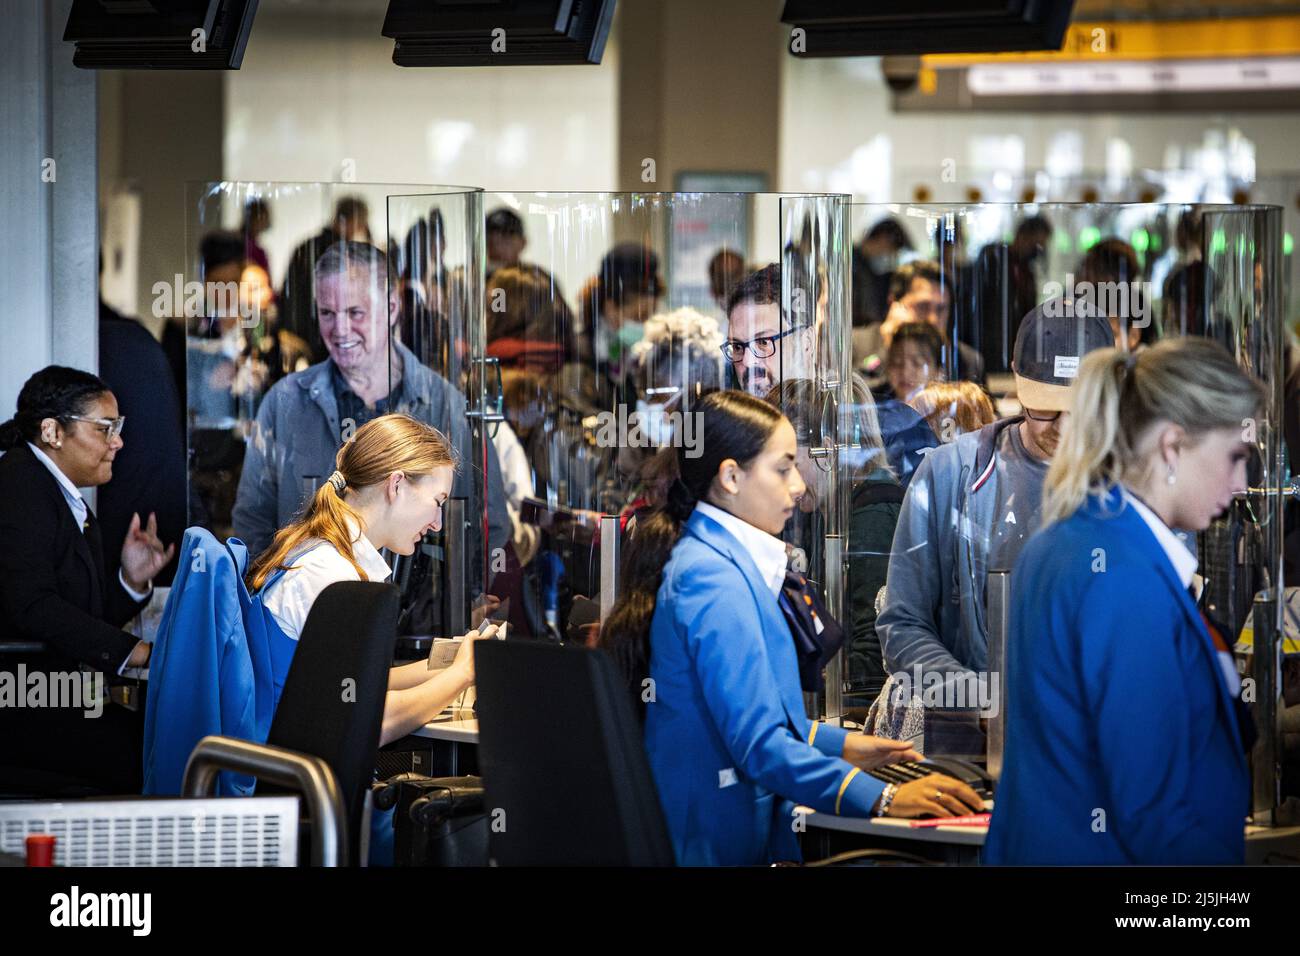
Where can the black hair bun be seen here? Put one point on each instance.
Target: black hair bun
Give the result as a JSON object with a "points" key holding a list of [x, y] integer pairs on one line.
{"points": [[11, 435]]}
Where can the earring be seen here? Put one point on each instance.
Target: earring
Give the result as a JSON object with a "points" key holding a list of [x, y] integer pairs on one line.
{"points": [[1171, 477]]}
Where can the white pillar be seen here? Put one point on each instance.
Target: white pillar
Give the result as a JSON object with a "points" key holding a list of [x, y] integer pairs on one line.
{"points": [[48, 200]]}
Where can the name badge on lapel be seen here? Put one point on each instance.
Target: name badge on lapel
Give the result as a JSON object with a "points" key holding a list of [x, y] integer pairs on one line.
{"points": [[727, 778]]}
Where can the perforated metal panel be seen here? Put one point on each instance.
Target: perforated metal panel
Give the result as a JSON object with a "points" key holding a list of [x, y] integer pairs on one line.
{"points": [[230, 831]]}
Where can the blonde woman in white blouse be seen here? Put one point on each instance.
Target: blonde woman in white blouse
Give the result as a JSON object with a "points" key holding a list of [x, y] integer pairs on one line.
{"points": [[387, 491]]}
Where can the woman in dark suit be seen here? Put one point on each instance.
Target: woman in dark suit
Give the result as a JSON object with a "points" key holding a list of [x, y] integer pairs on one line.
{"points": [[58, 612], [1126, 733]]}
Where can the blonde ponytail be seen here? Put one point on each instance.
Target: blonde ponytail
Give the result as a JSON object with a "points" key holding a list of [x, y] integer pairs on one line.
{"points": [[379, 448], [1190, 382], [327, 517], [1087, 456]]}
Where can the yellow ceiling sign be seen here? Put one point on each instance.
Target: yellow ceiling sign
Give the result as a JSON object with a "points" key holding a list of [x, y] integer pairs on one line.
{"points": [[1233, 38]]}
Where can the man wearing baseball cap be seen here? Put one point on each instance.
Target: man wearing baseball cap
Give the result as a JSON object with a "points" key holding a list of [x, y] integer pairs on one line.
{"points": [[974, 502]]}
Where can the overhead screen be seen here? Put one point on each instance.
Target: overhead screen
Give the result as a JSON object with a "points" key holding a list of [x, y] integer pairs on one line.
{"points": [[893, 27], [160, 34], [498, 32]]}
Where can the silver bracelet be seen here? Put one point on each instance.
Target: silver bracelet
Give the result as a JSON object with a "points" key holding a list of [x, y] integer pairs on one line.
{"points": [[887, 798]]}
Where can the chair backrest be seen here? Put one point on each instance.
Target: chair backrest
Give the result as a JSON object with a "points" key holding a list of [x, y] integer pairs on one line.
{"points": [[332, 706], [564, 767]]}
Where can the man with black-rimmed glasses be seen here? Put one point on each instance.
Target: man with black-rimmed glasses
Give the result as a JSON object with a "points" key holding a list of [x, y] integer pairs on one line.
{"points": [[764, 344]]}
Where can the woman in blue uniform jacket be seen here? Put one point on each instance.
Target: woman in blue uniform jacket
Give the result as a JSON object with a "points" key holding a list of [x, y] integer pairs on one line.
{"points": [[1126, 733], [702, 641]]}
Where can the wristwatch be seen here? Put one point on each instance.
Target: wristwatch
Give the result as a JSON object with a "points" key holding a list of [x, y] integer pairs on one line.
{"points": [[886, 799]]}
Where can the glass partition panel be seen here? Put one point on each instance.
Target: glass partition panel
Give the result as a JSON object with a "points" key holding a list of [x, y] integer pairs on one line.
{"points": [[293, 329], [939, 294], [436, 287], [817, 396], [1284, 191], [606, 315]]}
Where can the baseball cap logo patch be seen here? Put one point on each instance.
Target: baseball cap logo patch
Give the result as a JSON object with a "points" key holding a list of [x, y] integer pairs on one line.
{"points": [[1067, 366]]}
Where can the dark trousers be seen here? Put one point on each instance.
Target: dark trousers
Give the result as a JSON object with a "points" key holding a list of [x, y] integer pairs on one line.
{"points": [[63, 751]]}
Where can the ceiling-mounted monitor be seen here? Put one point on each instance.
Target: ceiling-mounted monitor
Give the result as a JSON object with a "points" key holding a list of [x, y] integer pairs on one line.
{"points": [[159, 34], [910, 27], [498, 32]]}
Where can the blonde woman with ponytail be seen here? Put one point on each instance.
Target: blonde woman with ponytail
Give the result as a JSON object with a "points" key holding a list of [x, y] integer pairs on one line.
{"points": [[1126, 734], [387, 490]]}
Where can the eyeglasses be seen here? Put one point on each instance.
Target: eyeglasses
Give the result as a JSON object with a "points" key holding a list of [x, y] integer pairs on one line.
{"points": [[111, 427], [763, 347], [1042, 418]]}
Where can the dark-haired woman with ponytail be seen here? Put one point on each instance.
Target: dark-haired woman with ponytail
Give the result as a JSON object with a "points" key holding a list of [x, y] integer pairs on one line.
{"points": [[1127, 736], [55, 601], [701, 638]]}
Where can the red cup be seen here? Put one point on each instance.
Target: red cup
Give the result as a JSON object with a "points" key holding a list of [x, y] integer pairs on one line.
{"points": [[40, 849]]}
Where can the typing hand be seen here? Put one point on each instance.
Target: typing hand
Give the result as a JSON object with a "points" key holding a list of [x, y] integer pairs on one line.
{"points": [[937, 795], [143, 554], [867, 752]]}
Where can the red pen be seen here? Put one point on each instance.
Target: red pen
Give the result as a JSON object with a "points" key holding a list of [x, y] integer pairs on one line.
{"points": [[974, 820]]}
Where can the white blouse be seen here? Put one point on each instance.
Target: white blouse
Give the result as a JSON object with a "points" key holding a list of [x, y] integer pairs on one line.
{"points": [[317, 565]]}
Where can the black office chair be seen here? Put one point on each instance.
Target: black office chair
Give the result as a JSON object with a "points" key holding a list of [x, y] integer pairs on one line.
{"points": [[564, 767], [331, 710], [332, 706]]}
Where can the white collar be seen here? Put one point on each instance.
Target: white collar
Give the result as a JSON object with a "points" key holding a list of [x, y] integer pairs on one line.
{"points": [[767, 552], [69, 490], [1184, 561], [363, 551], [368, 556]]}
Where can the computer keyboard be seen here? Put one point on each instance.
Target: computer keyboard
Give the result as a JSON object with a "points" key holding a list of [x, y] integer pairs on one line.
{"points": [[968, 773]]}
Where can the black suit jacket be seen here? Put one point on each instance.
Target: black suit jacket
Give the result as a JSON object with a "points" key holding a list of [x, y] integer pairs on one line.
{"points": [[149, 470], [52, 583]]}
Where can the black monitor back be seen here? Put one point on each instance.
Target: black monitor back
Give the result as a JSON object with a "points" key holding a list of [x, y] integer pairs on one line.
{"points": [[563, 761], [465, 32], [159, 34]]}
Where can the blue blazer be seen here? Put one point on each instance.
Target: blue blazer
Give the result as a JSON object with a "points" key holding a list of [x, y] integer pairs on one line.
{"points": [[726, 732], [217, 667], [1122, 738]]}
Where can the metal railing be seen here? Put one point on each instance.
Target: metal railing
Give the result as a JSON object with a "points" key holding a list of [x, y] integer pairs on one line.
{"points": [[308, 775]]}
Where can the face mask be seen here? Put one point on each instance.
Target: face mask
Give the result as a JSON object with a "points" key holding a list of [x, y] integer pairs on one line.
{"points": [[654, 422], [628, 335], [882, 264]]}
